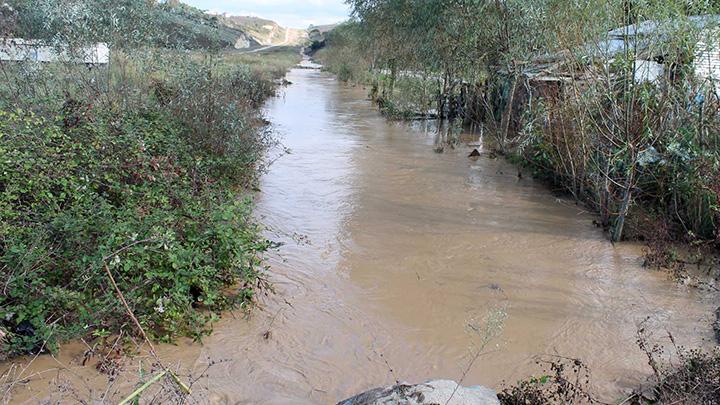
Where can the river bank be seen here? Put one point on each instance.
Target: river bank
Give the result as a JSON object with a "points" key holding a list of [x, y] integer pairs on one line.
{"points": [[142, 231], [393, 260]]}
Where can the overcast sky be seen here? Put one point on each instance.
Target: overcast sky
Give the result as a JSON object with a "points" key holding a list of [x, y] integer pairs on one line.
{"points": [[288, 13]]}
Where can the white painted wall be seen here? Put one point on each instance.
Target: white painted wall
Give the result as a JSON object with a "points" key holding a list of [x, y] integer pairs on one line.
{"points": [[707, 59], [648, 71], [19, 50]]}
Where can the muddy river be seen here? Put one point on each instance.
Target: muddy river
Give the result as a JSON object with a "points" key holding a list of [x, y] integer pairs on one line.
{"points": [[395, 260]]}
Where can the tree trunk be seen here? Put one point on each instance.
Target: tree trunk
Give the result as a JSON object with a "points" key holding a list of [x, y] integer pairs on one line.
{"points": [[507, 116], [620, 222]]}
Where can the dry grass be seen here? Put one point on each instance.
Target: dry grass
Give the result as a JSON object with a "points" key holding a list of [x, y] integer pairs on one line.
{"points": [[273, 62]]}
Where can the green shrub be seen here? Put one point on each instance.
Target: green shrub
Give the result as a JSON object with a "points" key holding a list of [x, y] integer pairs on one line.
{"points": [[141, 168], [125, 189]]}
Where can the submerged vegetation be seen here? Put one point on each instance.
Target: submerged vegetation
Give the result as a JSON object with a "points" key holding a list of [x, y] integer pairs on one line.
{"points": [[559, 94], [142, 167], [693, 377]]}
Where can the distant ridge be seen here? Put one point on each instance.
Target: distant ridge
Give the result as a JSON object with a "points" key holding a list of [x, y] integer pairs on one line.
{"points": [[191, 27], [194, 28], [265, 32]]}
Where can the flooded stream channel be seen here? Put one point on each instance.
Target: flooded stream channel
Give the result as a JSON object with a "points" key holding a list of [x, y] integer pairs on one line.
{"points": [[393, 256]]}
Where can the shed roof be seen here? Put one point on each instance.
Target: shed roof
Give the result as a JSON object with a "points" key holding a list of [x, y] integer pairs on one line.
{"points": [[648, 39]]}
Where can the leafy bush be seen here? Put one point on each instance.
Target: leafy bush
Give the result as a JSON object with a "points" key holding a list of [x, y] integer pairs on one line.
{"points": [[343, 55], [130, 191], [141, 168]]}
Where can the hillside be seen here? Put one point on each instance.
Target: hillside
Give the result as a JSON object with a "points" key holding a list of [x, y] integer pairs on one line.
{"points": [[265, 32], [317, 36], [193, 28], [323, 29], [187, 25], [170, 24]]}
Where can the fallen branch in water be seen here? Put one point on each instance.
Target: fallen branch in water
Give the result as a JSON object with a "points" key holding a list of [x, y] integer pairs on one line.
{"points": [[130, 312], [183, 387], [143, 387]]}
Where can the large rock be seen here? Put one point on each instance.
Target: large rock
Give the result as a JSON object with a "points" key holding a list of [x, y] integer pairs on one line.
{"points": [[432, 392], [242, 42]]}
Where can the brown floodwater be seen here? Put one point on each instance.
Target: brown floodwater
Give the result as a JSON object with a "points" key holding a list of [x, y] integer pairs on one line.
{"points": [[395, 260]]}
